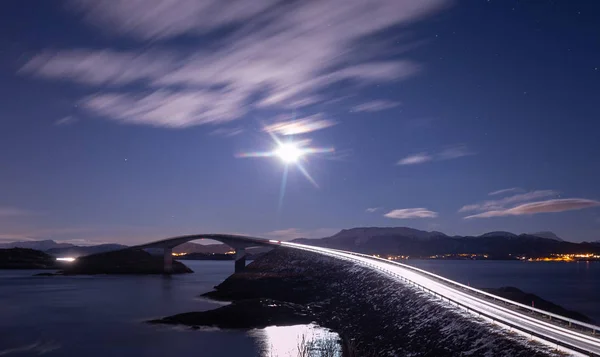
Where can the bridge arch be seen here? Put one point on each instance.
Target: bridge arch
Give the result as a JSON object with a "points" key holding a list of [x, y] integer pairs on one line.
{"points": [[238, 242]]}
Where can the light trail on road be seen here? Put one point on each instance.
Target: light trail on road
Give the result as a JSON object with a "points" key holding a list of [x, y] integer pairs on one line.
{"points": [[565, 339]]}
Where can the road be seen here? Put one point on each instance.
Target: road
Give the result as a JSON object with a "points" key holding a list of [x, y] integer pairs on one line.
{"points": [[563, 338]]}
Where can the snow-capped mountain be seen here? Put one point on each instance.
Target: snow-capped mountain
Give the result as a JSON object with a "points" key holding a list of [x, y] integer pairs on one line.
{"points": [[547, 235]]}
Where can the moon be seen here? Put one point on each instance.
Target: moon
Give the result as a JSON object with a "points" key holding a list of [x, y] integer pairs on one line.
{"points": [[288, 152]]}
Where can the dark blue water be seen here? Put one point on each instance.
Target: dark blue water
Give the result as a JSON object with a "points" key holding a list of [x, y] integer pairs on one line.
{"points": [[103, 315], [575, 285], [100, 316]]}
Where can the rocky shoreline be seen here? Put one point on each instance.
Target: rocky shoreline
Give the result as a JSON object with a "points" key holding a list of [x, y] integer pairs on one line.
{"points": [[120, 262], [376, 315], [244, 314], [24, 258]]}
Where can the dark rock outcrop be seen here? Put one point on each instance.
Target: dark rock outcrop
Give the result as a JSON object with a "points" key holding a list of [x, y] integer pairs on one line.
{"points": [[76, 251], [377, 315], [126, 261], [245, 314], [514, 294], [24, 258]]}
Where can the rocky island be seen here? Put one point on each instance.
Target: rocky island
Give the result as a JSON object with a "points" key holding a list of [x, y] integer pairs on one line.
{"points": [[245, 314], [517, 295], [125, 261], [375, 315], [23, 258]]}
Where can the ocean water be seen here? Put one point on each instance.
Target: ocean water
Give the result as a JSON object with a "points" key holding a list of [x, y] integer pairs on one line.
{"points": [[573, 285], [100, 316]]}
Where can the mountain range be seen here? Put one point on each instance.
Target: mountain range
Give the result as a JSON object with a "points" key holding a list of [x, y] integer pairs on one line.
{"points": [[42, 245], [375, 240], [67, 249], [414, 242], [62, 249]]}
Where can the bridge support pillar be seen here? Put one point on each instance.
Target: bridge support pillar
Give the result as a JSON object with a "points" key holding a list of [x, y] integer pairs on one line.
{"points": [[168, 260], [240, 259]]}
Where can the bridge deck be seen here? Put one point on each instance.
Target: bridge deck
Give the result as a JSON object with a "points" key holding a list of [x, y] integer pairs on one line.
{"points": [[548, 332], [502, 311]]}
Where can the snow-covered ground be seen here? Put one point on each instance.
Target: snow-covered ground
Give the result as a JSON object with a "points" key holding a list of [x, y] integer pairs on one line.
{"points": [[377, 313], [564, 339]]}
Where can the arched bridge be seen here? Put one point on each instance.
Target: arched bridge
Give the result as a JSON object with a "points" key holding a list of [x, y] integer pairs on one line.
{"points": [[563, 333], [238, 242]]}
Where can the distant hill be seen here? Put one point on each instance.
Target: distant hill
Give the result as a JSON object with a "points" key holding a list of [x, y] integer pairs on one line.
{"points": [[413, 242], [547, 235], [42, 245], [126, 261], [374, 239], [499, 234], [62, 249], [25, 258], [77, 251], [190, 247]]}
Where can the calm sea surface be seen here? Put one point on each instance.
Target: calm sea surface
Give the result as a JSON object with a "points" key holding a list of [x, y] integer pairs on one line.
{"points": [[575, 285], [103, 315]]}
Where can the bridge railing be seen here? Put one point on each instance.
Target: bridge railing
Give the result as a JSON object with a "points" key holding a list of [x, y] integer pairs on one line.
{"points": [[570, 321], [529, 333]]}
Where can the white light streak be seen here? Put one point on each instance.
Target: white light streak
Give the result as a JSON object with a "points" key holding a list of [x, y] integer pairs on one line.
{"points": [[456, 292]]}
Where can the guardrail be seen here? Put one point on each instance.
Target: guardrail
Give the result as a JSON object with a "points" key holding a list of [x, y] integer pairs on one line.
{"points": [[540, 337], [592, 327], [527, 332]]}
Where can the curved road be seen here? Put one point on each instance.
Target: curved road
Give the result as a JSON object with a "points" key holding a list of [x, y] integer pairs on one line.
{"points": [[501, 311], [565, 339]]}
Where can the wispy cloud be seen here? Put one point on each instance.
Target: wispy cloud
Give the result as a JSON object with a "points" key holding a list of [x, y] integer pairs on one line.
{"points": [[274, 54], [99, 67], [375, 106], [556, 205], [158, 19], [227, 132], [502, 203], [506, 190], [449, 153], [68, 120], [409, 213], [415, 159], [372, 209], [454, 152], [300, 126], [174, 109], [292, 233]]}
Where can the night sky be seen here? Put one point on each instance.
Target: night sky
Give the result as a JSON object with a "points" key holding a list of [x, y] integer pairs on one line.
{"points": [[127, 121]]}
